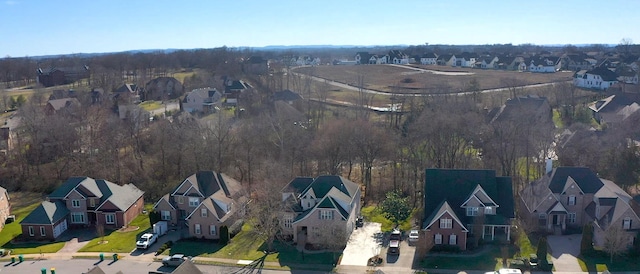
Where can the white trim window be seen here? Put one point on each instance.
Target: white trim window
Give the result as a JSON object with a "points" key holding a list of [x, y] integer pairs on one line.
{"points": [[326, 214], [626, 223], [212, 230], [165, 215], [572, 217], [75, 203], [288, 221], [43, 232], [453, 239], [31, 231], [203, 212], [193, 201], [77, 217], [109, 218], [488, 210], [446, 223], [571, 200], [92, 202], [472, 211], [197, 229], [437, 239]]}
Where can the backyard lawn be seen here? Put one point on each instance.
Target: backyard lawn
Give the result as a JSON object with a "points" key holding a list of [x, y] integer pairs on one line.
{"points": [[13, 230], [150, 105], [246, 246], [371, 214], [117, 241]]}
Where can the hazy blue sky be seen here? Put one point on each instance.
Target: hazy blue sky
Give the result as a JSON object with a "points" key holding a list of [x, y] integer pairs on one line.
{"points": [[39, 27]]}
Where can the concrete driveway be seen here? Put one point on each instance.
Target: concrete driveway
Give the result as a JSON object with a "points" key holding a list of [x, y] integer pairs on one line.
{"points": [[564, 251], [364, 243], [404, 259]]}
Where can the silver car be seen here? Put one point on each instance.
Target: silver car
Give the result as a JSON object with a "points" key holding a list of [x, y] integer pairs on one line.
{"points": [[175, 259]]}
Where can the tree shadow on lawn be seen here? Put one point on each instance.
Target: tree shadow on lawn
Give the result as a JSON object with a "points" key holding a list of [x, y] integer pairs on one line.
{"points": [[288, 256], [620, 263], [195, 247]]}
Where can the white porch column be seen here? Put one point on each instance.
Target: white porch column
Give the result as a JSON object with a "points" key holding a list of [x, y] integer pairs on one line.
{"points": [[493, 232], [508, 232]]}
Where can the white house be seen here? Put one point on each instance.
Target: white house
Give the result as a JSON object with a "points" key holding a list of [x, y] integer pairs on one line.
{"points": [[429, 59], [201, 100], [543, 65], [398, 57], [599, 78], [466, 59]]}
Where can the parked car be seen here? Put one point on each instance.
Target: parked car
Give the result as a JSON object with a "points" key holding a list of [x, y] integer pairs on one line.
{"points": [[395, 235], [413, 236], [146, 240], [359, 221], [174, 260], [394, 247]]}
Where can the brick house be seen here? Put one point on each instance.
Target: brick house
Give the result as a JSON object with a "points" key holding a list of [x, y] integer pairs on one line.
{"points": [[314, 205], [83, 202], [5, 207], [567, 197], [205, 201], [456, 200]]}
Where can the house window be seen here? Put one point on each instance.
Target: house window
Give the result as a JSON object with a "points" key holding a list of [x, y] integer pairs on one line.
{"points": [[453, 239], [43, 232], [288, 221], [488, 210], [203, 212], [92, 202], [180, 200], [75, 203], [193, 202], [572, 217], [626, 223], [77, 217], [472, 211], [31, 233], [326, 215], [110, 218], [571, 200], [165, 215], [212, 230], [197, 229], [542, 219], [445, 223], [437, 239]]}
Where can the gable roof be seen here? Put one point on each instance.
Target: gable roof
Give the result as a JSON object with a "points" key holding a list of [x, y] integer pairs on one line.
{"points": [[286, 95], [298, 185], [584, 177], [323, 184], [604, 73], [443, 208], [186, 267], [454, 186], [47, 213], [122, 197]]}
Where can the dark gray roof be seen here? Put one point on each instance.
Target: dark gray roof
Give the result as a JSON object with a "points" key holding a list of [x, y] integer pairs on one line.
{"points": [[323, 184], [584, 177], [120, 196], [186, 267], [47, 213], [298, 185], [605, 73], [286, 95]]}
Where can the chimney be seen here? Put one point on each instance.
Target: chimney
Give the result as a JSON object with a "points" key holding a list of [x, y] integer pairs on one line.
{"points": [[549, 165]]}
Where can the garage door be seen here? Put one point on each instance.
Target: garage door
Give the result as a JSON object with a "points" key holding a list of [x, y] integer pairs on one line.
{"points": [[58, 229]]}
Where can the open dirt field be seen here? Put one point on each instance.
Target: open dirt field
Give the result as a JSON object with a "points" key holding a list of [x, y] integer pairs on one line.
{"points": [[407, 80]]}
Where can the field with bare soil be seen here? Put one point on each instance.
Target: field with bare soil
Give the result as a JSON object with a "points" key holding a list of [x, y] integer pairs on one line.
{"points": [[388, 78]]}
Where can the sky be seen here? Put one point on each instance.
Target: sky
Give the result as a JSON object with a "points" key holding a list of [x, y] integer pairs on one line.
{"points": [[45, 27]]}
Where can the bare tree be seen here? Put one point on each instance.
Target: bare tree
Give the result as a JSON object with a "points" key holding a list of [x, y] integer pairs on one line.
{"points": [[616, 240], [265, 211]]}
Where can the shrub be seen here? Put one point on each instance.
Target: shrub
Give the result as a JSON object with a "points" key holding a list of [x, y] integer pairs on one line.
{"points": [[586, 245], [542, 250], [224, 235], [446, 248]]}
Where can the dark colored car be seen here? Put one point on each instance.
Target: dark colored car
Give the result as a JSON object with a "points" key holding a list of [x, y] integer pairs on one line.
{"points": [[395, 235], [359, 221], [394, 247]]}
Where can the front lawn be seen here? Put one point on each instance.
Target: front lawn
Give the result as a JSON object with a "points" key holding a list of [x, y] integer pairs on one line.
{"points": [[372, 214], [13, 230], [600, 261], [246, 246], [485, 260], [117, 241]]}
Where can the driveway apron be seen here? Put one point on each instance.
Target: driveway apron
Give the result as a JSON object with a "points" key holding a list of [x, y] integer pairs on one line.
{"points": [[565, 250]]}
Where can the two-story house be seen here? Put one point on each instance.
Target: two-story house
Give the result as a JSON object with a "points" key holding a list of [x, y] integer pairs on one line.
{"points": [[313, 205], [206, 201], [573, 196], [428, 59], [83, 202], [599, 78], [462, 202], [201, 100], [5, 207]]}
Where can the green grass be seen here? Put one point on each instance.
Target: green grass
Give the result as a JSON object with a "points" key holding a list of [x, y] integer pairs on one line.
{"points": [[372, 214], [14, 229], [246, 246], [150, 105], [557, 120], [119, 241], [490, 260], [600, 261], [524, 243]]}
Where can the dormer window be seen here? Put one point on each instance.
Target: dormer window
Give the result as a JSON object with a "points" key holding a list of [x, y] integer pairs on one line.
{"points": [[75, 203], [626, 223], [488, 210]]}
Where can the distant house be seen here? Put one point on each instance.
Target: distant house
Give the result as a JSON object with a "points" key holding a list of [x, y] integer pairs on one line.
{"points": [[5, 207], [315, 205], [68, 105], [83, 202], [9, 133], [614, 109], [398, 57], [627, 75], [233, 89], [362, 58], [599, 78], [255, 65], [127, 94], [534, 108], [201, 100], [287, 96], [428, 59], [568, 197], [204, 201], [487, 62], [456, 200], [162, 88], [61, 76], [446, 60], [543, 64], [377, 59], [465, 59]]}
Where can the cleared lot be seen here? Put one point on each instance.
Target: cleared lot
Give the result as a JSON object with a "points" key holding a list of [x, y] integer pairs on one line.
{"points": [[364, 243]]}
